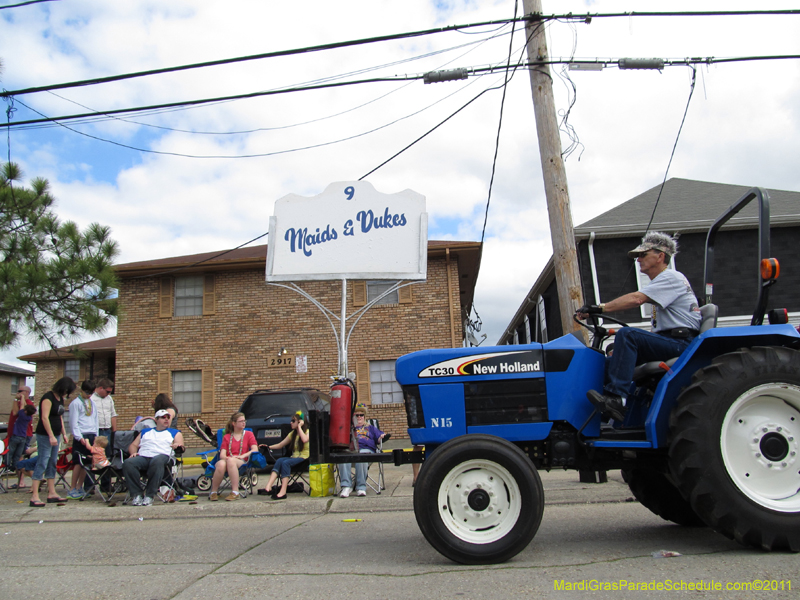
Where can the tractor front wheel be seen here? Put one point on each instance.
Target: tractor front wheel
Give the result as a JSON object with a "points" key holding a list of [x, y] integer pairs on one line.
{"points": [[478, 500]]}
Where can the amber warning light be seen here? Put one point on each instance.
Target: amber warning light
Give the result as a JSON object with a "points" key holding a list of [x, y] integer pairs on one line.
{"points": [[770, 269]]}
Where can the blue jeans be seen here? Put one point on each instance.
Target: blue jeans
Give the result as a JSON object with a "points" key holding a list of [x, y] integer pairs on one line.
{"points": [[632, 347], [283, 466], [346, 476], [16, 446], [48, 457], [154, 467]]}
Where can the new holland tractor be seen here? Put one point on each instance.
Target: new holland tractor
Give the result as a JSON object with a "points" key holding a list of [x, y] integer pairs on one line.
{"points": [[709, 438]]}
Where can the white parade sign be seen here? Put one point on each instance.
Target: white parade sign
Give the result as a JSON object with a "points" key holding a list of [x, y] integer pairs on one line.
{"points": [[349, 231]]}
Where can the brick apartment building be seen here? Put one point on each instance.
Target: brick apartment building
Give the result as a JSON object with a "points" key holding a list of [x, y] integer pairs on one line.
{"points": [[207, 330]]}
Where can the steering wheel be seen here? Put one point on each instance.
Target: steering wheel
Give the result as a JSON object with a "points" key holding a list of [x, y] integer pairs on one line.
{"points": [[599, 332]]}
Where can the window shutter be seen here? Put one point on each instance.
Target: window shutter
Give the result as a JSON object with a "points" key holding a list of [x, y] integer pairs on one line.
{"points": [[404, 295], [209, 295], [164, 383], [165, 297], [208, 390], [63, 368], [362, 382], [82, 372], [359, 294]]}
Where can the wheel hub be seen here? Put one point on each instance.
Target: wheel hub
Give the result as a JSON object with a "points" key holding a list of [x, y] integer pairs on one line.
{"points": [[774, 446], [478, 500]]}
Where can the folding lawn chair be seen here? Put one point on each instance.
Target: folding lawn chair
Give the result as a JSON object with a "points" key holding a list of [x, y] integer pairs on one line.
{"points": [[376, 484], [94, 476], [248, 477], [4, 470], [64, 465]]}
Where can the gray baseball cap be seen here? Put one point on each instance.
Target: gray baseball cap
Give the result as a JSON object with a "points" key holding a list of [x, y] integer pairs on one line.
{"points": [[656, 240]]}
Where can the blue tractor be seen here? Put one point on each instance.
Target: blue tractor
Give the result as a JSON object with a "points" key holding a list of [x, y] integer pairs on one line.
{"points": [[710, 438]]}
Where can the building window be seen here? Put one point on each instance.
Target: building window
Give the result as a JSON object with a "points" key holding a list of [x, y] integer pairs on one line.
{"points": [[187, 391], [384, 388], [376, 288], [72, 369], [188, 295], [14, 384]]}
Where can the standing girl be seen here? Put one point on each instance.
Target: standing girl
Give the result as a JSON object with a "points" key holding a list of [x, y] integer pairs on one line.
{"points": [[48, 431]]}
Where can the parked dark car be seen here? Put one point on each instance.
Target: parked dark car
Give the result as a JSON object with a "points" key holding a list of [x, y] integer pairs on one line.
{"points": [[269, 413]]}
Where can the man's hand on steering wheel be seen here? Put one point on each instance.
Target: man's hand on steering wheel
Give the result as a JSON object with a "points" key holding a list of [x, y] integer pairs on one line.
{"points": [[589, 309]]}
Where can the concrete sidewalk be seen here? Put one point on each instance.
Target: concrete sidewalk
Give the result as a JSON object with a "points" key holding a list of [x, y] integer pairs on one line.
{"points": [[561, 487]]}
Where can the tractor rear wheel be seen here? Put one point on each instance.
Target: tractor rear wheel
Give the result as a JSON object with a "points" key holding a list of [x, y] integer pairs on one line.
{"points": [[478, 499], [658, 494], [735, 438]]}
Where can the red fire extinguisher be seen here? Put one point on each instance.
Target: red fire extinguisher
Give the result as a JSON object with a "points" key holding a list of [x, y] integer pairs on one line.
{"points": [[342, 396]]}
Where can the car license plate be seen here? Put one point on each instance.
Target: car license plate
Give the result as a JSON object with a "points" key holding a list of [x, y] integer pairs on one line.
{"points": [[270, 433]]}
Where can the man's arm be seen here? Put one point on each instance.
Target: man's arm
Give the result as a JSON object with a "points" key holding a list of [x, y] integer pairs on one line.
{"points": [[113, 414], [632, 300], [134, 447], [177, 441]]}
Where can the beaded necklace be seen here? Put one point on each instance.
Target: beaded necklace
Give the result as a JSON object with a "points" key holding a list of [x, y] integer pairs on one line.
{"points": [[230, 444]]}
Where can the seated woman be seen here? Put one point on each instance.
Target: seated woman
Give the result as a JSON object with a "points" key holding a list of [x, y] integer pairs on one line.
{"points": [[297, 440], [237, 446], [161, 402], [368, 439]]}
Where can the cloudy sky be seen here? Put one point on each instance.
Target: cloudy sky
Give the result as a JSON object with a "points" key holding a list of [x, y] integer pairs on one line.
{"points": [[205, 178]]}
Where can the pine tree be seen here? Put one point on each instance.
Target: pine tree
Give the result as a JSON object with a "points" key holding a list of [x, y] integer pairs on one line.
{"points": [[56, 281]]}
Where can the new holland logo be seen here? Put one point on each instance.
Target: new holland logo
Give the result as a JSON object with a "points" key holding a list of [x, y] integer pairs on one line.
{"points": [[500, 363]]}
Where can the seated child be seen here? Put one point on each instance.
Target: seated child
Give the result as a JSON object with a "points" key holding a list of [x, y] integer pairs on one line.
{"points": [[99, 458], [18, 441]]}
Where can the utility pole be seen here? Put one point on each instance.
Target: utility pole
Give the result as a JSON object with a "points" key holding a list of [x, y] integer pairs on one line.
{"points": [[565, 253]]}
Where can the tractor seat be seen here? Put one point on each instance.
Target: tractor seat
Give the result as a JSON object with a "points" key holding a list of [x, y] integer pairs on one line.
{"points": [[654, 369]]}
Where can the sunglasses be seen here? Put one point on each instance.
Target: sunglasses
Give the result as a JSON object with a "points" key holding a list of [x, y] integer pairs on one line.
{"points": [[360, 415]]}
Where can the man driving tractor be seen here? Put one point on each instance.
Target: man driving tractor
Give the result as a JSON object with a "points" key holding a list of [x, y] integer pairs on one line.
{"points": [[674, 323]]}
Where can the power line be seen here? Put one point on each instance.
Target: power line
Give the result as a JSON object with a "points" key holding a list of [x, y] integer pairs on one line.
{"points": [[238, 59], [25, 3], [398, 36], [471, 45], [205, 260], [475, 71], [256, 155]]}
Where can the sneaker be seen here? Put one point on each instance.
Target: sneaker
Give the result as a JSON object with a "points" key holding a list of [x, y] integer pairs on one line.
{"points": [[361, 493], [232, 496], [609, 405], [75, 494], [148, 501], [137, 501], [344, 493], [213, 496]]}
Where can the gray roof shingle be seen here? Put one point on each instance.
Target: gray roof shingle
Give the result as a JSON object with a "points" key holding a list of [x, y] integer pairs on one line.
{"points": [[687, 205]]}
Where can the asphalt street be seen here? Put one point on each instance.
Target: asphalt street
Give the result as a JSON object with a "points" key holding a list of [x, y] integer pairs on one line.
{"points": [[592, 536]]}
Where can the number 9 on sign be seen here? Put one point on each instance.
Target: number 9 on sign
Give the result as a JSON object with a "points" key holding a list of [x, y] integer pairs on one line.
{"points": [[350, 191]]}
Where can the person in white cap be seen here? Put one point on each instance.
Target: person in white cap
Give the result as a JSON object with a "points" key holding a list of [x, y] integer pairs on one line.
{"points": [[150, 452], [674, 323]]}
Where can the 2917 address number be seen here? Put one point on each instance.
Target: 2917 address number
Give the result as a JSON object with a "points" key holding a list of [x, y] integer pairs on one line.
{"points": [[282, 361]]}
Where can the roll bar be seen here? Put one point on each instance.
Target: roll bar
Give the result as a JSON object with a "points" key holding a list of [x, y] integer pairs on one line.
{"points": [[763, 248]]}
